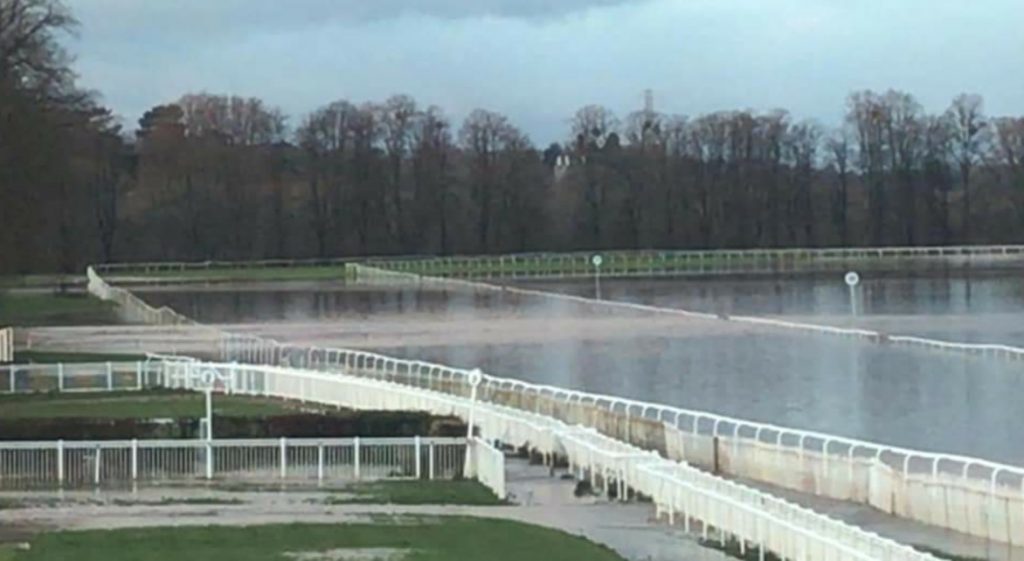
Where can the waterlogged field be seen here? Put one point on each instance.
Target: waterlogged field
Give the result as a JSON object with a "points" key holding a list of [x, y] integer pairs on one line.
{"points": [[406, 538], [899, 395]]}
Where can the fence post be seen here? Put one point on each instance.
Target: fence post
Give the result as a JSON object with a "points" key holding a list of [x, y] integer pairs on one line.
{"points": [[110, 376], [320, 462], [419, 468], [60, 376], [96, 471], [430, 461], [209, 458], [12, 372], [355, 456], [60, 462], [135, 459], [284, 457], [138, 375]]}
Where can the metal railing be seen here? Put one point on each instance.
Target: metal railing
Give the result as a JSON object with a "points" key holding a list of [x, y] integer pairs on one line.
{"points": [[605, 459], [645, 262], [79, 377], [487, 464], [934, 488], [69, 464], [369, 274]]}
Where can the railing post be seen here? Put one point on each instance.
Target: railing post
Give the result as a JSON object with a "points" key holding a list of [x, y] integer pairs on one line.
{"points": [[284, 457], [209, 459], [419, 469], [138, 375], [135, 459], [96, 470], [355, 456], [110, 376], [60, 462], [430, 461], [320, 462], [12, 372], [60, 377]]}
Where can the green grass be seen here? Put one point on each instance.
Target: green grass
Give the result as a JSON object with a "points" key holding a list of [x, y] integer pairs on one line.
{"points": [[133, 405], [39, 309], [430, 539], [439, 492], [47, 357]]}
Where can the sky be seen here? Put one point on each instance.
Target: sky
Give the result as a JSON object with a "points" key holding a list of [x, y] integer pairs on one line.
{"points": [[538, 61]]}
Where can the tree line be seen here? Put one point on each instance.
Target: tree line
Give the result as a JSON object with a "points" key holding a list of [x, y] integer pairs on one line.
{"points": [[227, 177]]}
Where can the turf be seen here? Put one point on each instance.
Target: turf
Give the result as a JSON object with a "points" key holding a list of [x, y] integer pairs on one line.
{"points": [[326, 272], [41, 309], [133, 405], [433, 539], [438, 492], [47, 357]]}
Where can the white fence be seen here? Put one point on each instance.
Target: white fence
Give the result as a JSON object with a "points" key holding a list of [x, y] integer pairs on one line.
{"points": [[999, 351], [487, 464], [619, 262], [93, 463], [792, 531], [7, 344], [80, 377], [966, 494]]}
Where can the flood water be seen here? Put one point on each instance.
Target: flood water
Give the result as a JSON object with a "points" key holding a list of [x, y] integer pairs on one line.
{"points": [[898, 395]]}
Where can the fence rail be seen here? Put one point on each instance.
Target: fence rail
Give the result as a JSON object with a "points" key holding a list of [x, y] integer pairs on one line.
{"points": [[606, 459], [115, 462], [966, 494], [80, 377]]}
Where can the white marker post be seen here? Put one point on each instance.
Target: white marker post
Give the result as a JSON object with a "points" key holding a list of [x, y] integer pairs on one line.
{"points": [[474, 379], [852, 280], [596, 261]]}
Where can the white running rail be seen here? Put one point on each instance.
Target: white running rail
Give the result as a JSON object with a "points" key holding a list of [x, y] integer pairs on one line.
{"points": [[31, 465], [966, 494], [385, 277], [79, 377], [729, 508]]}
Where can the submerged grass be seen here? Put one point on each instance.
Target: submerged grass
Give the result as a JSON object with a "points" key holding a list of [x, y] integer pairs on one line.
{"points": [[443, 539], [437, 492]]}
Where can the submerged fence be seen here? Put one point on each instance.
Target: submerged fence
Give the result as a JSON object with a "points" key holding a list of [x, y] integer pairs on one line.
{"points": [[69, 464], [966, 494]]}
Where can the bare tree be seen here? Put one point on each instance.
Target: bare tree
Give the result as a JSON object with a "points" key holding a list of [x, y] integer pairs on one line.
{"points": [[396, 121], [484, 134], [965, 115], [838, 147]]}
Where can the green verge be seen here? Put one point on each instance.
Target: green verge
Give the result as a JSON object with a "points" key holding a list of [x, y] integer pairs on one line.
{"points": [[52, 357], [423, 539], [42, 309], [133, 405], [438, 492], [215, 274]]}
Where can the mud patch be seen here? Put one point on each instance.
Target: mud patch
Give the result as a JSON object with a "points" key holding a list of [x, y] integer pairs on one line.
{"points": [[350, 554]]}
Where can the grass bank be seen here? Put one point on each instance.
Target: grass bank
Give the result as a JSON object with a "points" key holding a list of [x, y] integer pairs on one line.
{"points": [[425, 539], [134, 405], [25, 309]]}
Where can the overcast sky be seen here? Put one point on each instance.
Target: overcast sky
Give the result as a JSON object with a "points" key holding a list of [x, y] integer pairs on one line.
{"points": [[537, 61]]}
